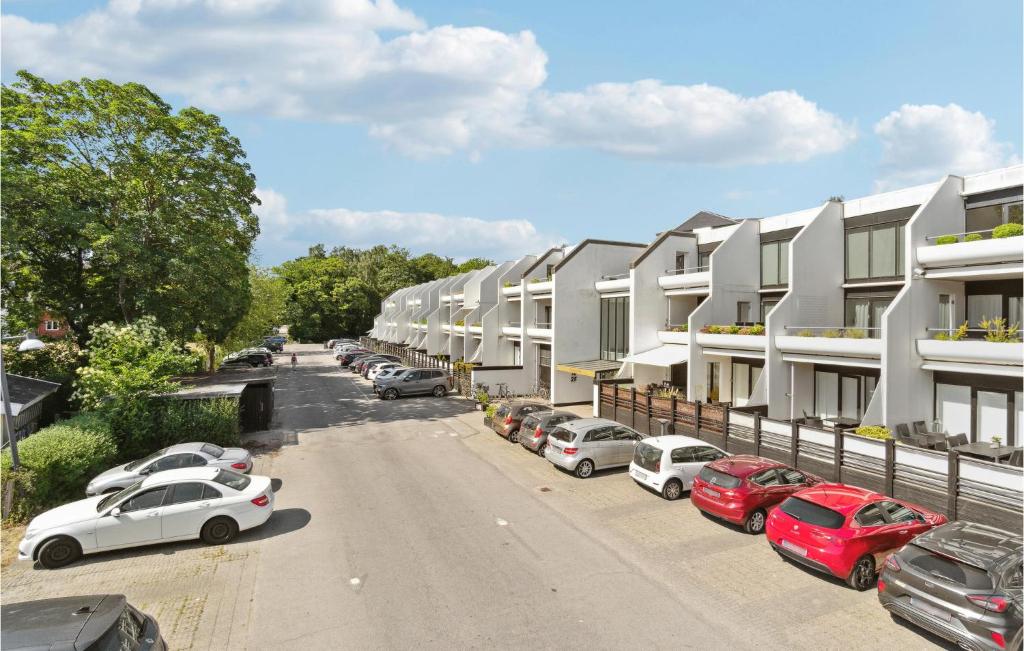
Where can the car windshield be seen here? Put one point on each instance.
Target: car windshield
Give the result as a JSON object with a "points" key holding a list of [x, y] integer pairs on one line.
{"points": [[561, 434], [712, 476], [214, 451], [143, 461], [647, 457], [232, 480], [811, 513], [114, 498], [947, 569], [123, 634]]}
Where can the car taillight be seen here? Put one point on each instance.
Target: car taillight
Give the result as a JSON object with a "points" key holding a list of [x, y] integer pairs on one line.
{"points": [[892, 563], [262, 500], [991, 602], [881, 585], [570, 451], [508, 419], [537, 432], [657, 466], [999, 639], [238, 465]]}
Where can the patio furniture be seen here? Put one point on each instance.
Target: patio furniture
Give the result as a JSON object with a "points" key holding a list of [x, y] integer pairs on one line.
{"points": [[1016, 457], [954, 440], [902, 435], [920, 427], [984, 450], [843, 423], [942, 445]]}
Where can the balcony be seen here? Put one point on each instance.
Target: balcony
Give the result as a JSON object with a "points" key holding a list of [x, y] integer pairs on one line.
{"points": [[512, 291], [458, 298], [475, 329], [512, 329], [971, 256], [446, 298], [689, 280], [458, 329], [540, 330], [733, 340], [951, 350], [537, 286], [445, 327], [831, 345], [674, 334], [616, 283]]}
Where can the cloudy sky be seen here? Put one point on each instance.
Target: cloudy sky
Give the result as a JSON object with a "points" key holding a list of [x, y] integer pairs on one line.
{"points": [[499, 128]]}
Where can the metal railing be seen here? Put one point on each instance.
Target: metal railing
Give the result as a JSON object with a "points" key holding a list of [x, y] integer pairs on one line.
{"points": [[687, 270], [958, 235], [514, 324], [542, 324], [615, 276], [843, 331]]}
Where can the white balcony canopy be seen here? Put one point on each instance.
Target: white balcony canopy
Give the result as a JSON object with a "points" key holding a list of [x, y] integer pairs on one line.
{"points": [[665, 355]]}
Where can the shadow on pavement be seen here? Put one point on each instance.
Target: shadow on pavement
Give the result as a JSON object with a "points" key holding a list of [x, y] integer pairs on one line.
{"points": [[275, 484]]}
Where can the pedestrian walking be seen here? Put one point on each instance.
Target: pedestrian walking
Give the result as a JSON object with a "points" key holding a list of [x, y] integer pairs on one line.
{"points": [[295, 360]]}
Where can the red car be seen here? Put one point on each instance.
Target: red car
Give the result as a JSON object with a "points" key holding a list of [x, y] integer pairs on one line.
{"points": [[845, 531], [742, 489]]}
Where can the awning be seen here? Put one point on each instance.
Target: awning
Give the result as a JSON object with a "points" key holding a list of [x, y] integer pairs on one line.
{"points": [[665, 355], [595, 368], [833, 360], [980, 369], [734, 352]]}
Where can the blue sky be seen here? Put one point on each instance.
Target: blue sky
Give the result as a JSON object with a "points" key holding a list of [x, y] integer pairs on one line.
{"points": [[527, 123]]}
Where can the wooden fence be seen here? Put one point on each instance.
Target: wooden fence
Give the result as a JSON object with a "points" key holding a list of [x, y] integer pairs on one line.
{"points": [[947, 482]]}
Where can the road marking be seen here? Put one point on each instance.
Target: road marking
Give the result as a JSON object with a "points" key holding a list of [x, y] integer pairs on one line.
{"points": [[500, 522], [354, 580]]}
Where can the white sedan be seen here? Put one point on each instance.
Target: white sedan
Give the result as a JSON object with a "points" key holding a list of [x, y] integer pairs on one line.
{"points": [[213, 504]]}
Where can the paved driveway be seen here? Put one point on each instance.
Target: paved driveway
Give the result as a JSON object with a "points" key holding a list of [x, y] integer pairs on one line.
{"points": [[407, 523]]}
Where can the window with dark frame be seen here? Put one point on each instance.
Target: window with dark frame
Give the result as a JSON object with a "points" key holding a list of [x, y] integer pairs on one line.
{"points": [[775, 263], [614, 323], [680, 261], [875, 251]]}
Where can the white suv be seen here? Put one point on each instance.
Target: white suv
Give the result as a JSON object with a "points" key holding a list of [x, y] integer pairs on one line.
{"points": [[668, 464]]}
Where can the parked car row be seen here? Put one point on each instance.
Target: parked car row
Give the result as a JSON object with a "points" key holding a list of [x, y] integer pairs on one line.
{"points": [[390, 378], [182, 492], [959, 580], [249, 357]]}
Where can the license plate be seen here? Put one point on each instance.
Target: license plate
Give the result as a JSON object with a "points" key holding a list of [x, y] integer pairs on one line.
{"points": [[930, 609], [712, 492], [796, 549], [640, 475]]}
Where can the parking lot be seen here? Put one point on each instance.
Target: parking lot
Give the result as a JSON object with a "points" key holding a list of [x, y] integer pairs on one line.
{"points": [[407, 522]]}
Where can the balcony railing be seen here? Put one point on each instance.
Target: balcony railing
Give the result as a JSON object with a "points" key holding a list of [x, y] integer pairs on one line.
{"points": [[544, 325], [615, 276], [834, 332], [687, 270]]}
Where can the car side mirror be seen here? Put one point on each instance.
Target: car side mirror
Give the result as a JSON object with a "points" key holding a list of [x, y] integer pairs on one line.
{"points": [[406, 379], [116, 512]]}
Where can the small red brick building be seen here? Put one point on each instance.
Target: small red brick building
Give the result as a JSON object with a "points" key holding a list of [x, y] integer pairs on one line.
{"points": [[51, 326]]}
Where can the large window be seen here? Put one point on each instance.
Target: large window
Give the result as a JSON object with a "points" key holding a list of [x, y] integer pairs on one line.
{"points": [[704, 261], [767, 304], [988, 217], [614, 327], [864, 312], [980, 407], [517, 353], [842, 392], [874, 251], [775, 264], [744, 378]]}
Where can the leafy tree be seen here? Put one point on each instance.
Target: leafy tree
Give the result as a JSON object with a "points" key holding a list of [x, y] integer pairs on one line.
{"points": [[267, 309], [429, 267], [473, 264], [325, 299], [115, 207]]}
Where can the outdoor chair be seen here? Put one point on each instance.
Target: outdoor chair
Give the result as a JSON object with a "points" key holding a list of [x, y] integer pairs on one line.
{"points": [[942, 446], [920, 427], [954, 440], [902, 435], [1016, 458]]}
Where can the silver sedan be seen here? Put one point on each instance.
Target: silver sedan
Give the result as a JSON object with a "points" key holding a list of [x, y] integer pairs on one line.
{"points": [[183, 455]]}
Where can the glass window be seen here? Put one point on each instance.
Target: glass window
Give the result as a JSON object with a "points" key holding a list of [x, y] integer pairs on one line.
{"points": [[766, 478], [740, 381], [991, 416], [517, 353], [870, 516], [648, 457], [826, 394], [680, 261], [883, 251], [766, 306], [1013, 313], [811, 513], [898, 513], [858, 245], [560, 434], [186, 492], [625, 434], [705, 453], [945, 311], [212, 450], [790, 476], [171, 462], [718, 478], [682, 455], [599, 434], [210, 493], [614, 343], [713, 380], [784, 262], [950, 569], [983, 306], [704, 260], [770, 263], [232, 479], [146, 500]]}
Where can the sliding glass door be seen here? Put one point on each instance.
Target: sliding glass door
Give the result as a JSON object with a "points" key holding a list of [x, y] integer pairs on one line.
{"points": [[990, 415]]}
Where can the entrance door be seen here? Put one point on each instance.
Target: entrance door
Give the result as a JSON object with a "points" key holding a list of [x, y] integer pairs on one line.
{"points": [[714, 368], [849, 396], [544, 366]]}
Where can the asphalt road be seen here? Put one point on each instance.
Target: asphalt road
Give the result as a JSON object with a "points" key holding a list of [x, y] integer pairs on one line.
{"points": [[414, 540]]}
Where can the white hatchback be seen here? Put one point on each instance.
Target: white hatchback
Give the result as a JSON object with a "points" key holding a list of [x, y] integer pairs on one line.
{"points": [[668, 464], [209, 503]]}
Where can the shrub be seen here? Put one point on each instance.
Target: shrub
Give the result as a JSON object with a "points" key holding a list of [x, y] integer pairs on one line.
{"points": [[805, 333], [210, 421], [680, 328], [483, 398], [1007, 230], [491, 408], [956, 335], [997, 331], [941, 336], [946, 239], [832, 334], [757, 329], [733, 329], [460, 322], [58, 461], [855, 333], [973, 237], [874, 432]]}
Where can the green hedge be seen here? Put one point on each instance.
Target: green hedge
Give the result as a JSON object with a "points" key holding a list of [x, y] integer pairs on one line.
{"points": [[58, 461], [209, 421], [1007, 230]]}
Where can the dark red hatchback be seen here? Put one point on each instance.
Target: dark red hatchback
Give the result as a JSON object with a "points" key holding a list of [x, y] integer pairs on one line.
{"points": [[742, 489]]}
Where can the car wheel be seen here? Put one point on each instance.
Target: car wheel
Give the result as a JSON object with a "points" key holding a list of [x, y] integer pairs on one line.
{"points": [[439, 391], [58, 552], [584, 469], [390, 394], [862, 576], [673, 490], [540, 450], [219, 531], [513, 436], [755, 523]]}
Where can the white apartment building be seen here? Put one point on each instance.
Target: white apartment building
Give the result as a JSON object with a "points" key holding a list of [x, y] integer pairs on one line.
{"points": [[851, 312]]}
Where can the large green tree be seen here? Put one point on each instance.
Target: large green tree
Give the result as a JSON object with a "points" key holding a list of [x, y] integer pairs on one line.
{"points": [[115, 207], [267, 309], [325, 298]]}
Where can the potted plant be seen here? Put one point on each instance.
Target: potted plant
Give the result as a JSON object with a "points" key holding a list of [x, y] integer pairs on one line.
{"points": [[997, 441]]}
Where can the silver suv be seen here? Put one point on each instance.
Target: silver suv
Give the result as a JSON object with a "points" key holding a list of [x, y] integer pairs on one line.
{"points": [[415, 381], [588, 444]]}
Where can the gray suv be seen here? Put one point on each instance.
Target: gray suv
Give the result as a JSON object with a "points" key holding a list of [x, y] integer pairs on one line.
{"points": [[415, 381], [584, 445], [961, 581]]}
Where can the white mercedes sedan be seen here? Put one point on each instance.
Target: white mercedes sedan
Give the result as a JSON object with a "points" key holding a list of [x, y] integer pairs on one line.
{"points": [[213, 504]]}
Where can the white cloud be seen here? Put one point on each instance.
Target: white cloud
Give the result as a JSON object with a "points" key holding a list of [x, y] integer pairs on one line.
{"points": [[696, 124], [923, 143], [423, 90], [286, 235]]}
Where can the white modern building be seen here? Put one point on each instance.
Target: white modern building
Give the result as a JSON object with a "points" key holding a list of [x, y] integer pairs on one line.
{"points": [[885, 309]]}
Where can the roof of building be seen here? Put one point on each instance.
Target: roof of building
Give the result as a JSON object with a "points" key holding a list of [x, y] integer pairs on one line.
{"points": [[705, 219], [225, 383], [27, 391]]}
